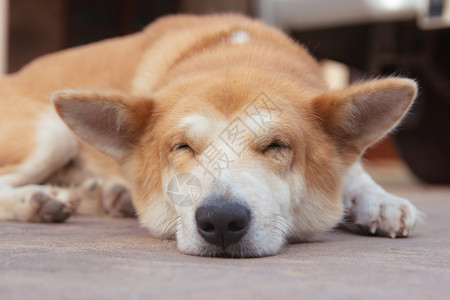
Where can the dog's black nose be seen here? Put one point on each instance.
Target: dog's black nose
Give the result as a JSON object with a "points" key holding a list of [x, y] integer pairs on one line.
{"points": [[221, 223]]}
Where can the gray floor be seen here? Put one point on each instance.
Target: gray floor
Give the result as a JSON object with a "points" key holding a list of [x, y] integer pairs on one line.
{"points": [[89, 258]]}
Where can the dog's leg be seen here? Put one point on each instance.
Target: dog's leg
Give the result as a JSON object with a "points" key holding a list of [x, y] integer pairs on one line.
{"points": [[108, 182], [371, 209], [21, 198], [99, 182]]}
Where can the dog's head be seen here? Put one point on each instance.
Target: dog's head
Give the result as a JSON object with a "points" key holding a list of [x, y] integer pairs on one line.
{"points": [[236, 167]]}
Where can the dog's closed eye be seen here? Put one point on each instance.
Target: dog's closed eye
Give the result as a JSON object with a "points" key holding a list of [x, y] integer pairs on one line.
{"points": [[275, 146], [182, 147]]}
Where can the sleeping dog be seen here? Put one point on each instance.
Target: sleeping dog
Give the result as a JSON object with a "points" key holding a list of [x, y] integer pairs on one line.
{"points": [[218, 131]]}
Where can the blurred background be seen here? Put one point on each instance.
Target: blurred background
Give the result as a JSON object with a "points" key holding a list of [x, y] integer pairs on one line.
{"points": [[369, 38]]}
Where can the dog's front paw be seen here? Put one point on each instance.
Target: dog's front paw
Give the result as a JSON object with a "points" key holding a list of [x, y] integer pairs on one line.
{"points": [[48, 207], [380, 213], [118, 203]]}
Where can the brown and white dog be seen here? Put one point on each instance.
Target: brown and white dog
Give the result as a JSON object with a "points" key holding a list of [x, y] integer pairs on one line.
{"points": [[222, 129]]}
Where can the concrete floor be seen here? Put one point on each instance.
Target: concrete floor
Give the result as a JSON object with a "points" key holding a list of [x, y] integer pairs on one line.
{"points": [[95, 258]]}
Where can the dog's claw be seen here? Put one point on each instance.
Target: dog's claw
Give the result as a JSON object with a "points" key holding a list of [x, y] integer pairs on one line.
{"points": [[373, 227], [392, 235]]}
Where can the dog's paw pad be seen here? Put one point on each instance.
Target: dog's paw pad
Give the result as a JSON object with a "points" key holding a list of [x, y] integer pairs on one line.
{"points": [[119, 202], [48, 209]]}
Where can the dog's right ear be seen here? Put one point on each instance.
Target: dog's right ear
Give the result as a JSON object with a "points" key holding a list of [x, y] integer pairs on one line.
{"points": [[109, 121]]}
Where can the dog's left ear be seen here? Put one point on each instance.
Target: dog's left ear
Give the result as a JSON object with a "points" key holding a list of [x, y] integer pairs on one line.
{"points": [[109, 121], [360, 115]]}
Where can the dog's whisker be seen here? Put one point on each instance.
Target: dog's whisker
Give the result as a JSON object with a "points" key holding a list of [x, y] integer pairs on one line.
{"points": [[170, 229], [281, 231], [292, 227]]}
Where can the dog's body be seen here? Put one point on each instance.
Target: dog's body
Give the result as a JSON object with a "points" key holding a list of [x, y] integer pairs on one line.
{"points": [[224, 106]]}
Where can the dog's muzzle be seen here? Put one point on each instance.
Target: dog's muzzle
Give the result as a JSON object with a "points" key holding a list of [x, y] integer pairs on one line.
{"points": [[222, 223]]}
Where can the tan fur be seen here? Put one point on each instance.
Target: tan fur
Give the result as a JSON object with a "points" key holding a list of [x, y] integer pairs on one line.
{"points": [[127, 97]]}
